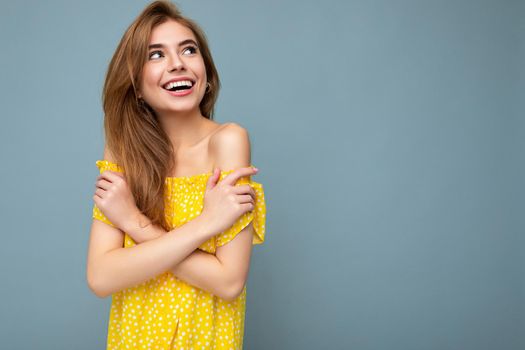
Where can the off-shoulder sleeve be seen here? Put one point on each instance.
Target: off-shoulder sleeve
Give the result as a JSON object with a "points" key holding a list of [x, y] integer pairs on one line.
{"points": [[257, 216], [104, 165]]}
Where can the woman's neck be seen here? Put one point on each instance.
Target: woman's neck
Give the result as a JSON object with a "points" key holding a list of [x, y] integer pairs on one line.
{"points": [[185, 130]]}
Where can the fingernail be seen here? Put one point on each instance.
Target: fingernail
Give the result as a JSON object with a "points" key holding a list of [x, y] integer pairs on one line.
{"points": [[256, 169]]}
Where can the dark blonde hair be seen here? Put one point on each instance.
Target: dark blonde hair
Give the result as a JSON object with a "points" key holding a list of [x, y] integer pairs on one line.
{"points": [[133, 134]]}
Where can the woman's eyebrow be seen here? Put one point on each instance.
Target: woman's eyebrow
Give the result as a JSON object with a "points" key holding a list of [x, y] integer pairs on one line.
{"points": [[183, 42]]}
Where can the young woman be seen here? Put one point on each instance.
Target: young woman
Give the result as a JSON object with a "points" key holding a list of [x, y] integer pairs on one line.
{"points": [[172, 234]]}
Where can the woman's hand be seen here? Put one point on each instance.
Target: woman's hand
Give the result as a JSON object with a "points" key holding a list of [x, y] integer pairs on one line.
{"points": [[225, 202], [115, 200]]}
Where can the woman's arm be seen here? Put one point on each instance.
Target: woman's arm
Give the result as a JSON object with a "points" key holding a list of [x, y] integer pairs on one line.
{"points": [[111, 268], [224, 274]]}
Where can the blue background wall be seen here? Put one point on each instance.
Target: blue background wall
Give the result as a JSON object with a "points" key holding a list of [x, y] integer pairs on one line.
{"points": [[390, 138]]}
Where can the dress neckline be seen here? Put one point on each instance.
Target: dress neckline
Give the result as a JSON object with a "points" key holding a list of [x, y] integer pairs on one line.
{"points": [[176, 178]]}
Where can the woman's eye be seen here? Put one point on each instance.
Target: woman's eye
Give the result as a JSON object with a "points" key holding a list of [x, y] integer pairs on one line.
{"points": [[192, 49], [154, 53]]}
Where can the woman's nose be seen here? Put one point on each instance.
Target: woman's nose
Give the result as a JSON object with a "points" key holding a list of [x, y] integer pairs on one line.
{"points": [[175, 63]]}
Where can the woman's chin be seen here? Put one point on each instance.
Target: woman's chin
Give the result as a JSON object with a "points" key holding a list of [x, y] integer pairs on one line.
{"points": [[182, 108]]}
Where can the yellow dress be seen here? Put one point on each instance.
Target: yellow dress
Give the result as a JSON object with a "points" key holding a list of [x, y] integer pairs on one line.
{"points": [[167, 313]]}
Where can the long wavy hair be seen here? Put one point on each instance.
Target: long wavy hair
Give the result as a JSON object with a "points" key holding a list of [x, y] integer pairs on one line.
{"points": [[133, 134]]}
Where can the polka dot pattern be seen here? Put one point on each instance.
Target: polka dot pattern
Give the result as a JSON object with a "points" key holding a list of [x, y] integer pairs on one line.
{"points": [[167, 313]]}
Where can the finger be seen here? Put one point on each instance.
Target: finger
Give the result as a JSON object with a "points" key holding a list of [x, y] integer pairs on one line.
{"points": [[111, 176], [100, 193], [246, 207], [103, 183], [245, 198], [232, 178], [212, 180], [244, 189]]}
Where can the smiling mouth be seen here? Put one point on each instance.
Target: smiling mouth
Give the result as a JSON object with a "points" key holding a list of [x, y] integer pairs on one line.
{"points": [[179, 85]]}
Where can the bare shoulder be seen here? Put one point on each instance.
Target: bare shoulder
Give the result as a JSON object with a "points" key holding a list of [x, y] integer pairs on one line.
{"points": [[230, 147], [229, 133]]}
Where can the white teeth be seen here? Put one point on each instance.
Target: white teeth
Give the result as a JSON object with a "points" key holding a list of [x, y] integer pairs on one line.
{"points": [[178, 83]]}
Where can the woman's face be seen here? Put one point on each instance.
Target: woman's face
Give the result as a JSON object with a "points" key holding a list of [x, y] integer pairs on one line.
{"points": [[173, 54]]}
